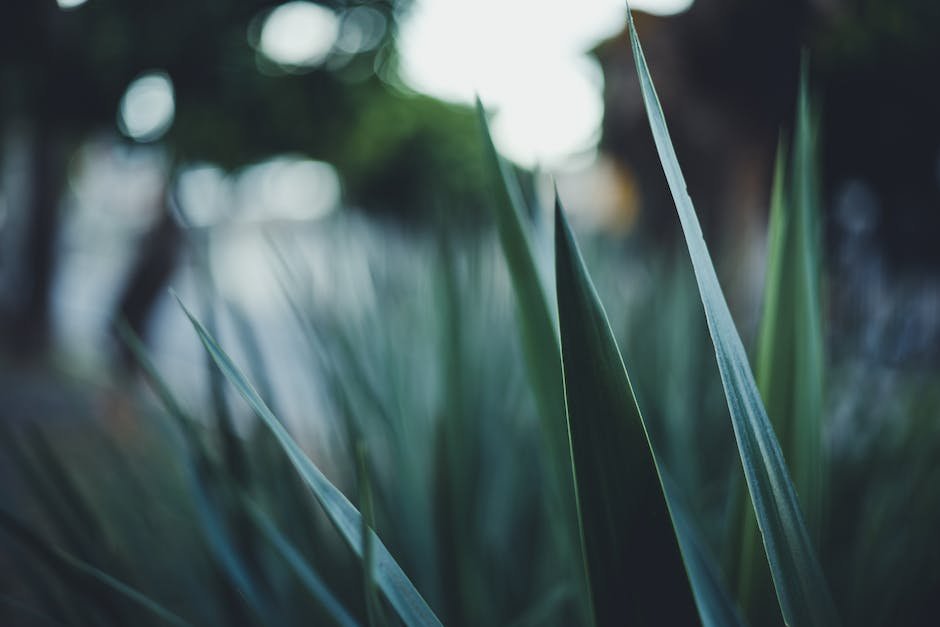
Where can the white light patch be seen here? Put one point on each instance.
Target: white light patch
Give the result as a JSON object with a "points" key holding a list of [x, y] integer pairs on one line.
{"points": [[204, 194], [526, 59], [299, 34], [288, 188], [240, 261], [70, 4], [147, 107], [554, 116], [661, 7]]}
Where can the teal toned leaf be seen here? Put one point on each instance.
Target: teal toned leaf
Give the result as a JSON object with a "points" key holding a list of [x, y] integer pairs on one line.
{"points": [[309, 577], [536, 319], [389, 577], [801, 588], [632, 556]]}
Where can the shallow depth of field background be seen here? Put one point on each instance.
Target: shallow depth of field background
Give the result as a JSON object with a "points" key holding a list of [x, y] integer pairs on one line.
{"points": [[311, 177]]}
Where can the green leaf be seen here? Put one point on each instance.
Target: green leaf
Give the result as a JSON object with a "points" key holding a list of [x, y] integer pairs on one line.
{"points": [[536, 319], [373, 607], [207, 486], [395, 585], [540, 345], [305, 573], [632, 555], [790, 348], [754, 581], [789, 369], [801, 588]]}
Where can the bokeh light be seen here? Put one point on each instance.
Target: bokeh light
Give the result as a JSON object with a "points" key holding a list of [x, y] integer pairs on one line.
{"points": [[535, 75], [287, 188], [147, 107], [70, 4], [204, 194], [299, 34]]}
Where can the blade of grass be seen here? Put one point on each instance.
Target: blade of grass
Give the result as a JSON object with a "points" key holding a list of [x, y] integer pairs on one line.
{"points": [[535, 317], [801, 588], [633, 560], [542, 352], [305, 573], [395, 585], [202, 475], [754, 582], [790, 356], [373, 608], [789, 369]]}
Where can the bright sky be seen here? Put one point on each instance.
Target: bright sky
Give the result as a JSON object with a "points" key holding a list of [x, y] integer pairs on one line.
{"points": [[526, 59]]}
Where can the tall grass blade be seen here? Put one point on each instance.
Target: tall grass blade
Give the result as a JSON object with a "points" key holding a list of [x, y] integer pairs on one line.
{"points": [[305, 573], [632, 556], [395, 585], [790, 349], [373, 607], [203, 476], [801, 588], [789, 369], [536, 319], [542, 353], [754, 581]]}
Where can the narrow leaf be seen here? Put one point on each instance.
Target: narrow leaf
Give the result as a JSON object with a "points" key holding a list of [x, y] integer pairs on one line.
{"points": [[790, 355], [536, 320], [305, 573], [395, 585], [801, 588], [541, 350], [203, 477], [632, 555], [754, 581]]}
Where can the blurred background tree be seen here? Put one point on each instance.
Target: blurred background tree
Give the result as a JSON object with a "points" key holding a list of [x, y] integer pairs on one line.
{"points": [[728, 72], [67, 67]]}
